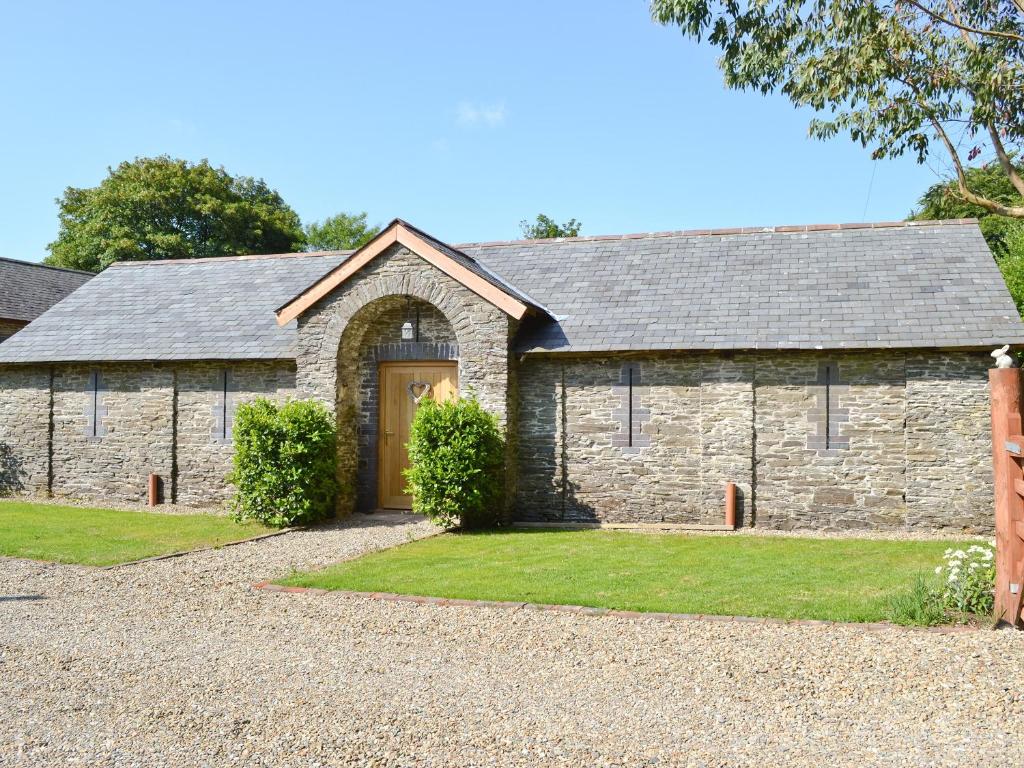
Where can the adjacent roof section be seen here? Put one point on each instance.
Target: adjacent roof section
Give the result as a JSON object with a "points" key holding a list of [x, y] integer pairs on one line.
{"points": [[923, 284], [200, 309], [28, 289], [919, 284]]}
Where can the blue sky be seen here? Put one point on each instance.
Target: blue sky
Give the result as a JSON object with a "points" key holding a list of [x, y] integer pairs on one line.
{"points": [[462, 117]]}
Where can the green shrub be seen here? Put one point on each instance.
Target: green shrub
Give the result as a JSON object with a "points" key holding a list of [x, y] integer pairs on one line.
{"points": [[1011, 262], [457, 455], [920, 606], [284, 466]]}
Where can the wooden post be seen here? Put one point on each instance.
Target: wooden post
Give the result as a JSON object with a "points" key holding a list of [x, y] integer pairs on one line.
{"points": [[1005, 390], [154, 486], [730, 504]]}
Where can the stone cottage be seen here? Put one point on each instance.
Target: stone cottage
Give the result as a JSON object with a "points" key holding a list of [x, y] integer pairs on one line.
{"points": [[836, 374], [28, 289]]}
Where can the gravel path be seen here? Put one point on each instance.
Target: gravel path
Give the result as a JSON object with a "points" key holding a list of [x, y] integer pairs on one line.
{"points": [[181, 662]]}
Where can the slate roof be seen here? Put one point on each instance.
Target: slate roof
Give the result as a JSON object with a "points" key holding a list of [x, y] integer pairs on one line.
{"points": [[473, 265], [931, 284], [203, 309], [28, 289], [920, 284]]}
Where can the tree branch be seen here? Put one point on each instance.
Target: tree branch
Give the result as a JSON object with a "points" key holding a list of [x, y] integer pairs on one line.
{"points": [[1014, 211], [1004, 160], [956, 24]]}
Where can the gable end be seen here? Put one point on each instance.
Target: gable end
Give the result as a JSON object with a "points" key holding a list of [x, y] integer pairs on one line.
{"points": [[401, 233]]}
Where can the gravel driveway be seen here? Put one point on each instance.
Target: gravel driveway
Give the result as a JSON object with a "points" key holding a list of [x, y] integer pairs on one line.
{"points": [[180, 662]]}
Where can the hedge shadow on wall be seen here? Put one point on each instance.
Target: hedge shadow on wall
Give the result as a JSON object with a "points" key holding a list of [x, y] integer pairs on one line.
{"points": [[12, 471]]}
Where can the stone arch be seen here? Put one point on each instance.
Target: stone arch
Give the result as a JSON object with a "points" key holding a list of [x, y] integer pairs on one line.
{"points": [[412, 285], [372, 336], [330, 333]]}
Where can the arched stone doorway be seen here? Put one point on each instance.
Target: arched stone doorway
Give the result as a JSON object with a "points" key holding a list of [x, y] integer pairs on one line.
{"points": [[395, 334], [340, 332]]}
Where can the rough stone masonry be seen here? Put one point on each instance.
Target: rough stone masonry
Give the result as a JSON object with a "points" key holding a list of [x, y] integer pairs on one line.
{"points": [[635, 376]]}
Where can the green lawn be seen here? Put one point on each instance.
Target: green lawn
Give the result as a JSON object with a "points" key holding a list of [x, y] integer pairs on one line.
{"points": [[837, 579], [108, 536]]}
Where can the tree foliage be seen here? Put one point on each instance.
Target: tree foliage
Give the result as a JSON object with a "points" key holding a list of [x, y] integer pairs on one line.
{"points": [[344, 232], [546, 227], [284, 462], [164, 208], [456, 457], [1011, 264], [941, 201], [896, 75]]}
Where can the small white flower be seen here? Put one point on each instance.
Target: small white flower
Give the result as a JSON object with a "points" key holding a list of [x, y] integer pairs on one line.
{"points": [[938, 570]]}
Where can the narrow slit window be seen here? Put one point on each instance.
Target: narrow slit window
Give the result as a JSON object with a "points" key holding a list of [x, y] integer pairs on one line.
{"points": [[630, 413], [828, 407], [224, 405], [828, 414], [221, 407], [94, 421], [630, 408], [95, 410]]}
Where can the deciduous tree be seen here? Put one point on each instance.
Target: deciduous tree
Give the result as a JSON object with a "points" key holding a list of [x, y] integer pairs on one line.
{"points": [[164, 208], [346, 231], [546, 227], [896, 75]]}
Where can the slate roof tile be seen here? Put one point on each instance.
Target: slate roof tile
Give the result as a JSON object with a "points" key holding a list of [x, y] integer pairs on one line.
{"points": [[894, 286], [932, 284], [206, 309]]}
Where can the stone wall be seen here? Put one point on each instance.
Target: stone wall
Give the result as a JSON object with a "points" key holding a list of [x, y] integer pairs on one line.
{"points": [[204, 438], [97, 432], [800, 483], [841, 440], [24, 430], [112, 426], [885, 441]]}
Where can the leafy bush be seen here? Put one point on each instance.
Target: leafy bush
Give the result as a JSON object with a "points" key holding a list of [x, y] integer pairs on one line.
{"points": [[1011, 262], [284, 466], [969, 579], [920, 606], [457, 454]]}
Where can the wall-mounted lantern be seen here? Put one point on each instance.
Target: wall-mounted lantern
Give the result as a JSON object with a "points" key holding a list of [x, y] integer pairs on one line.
{"points": [[407, 332]]}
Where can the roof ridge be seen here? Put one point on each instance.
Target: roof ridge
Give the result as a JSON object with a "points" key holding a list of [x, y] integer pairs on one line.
{"points": [[47, 266], [783, 229], [241, 257]]}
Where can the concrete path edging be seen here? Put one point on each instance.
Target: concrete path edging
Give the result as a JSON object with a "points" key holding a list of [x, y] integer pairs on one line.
{"points": [[583, 610]]}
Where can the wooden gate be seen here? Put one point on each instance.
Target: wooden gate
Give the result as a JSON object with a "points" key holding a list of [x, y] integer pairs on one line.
{"points": [[1007, 461]]}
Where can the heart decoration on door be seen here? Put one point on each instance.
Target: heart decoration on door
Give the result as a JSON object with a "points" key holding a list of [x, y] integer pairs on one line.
{"points": [[422, 386]]}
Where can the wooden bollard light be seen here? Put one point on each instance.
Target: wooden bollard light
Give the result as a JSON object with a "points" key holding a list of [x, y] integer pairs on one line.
{"points": [[154, 487], [730, 504]]}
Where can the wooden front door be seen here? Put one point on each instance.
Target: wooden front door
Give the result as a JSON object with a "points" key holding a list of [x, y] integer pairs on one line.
{"points": [[400, 384]]}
